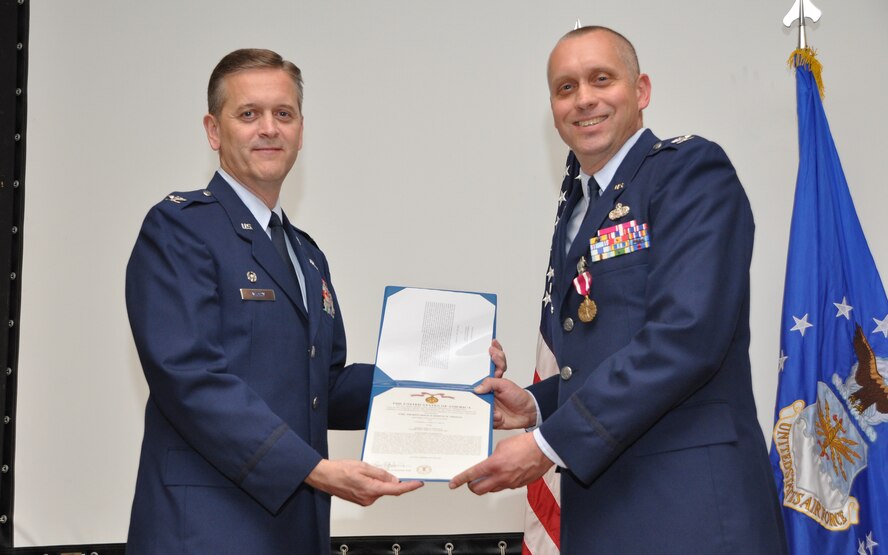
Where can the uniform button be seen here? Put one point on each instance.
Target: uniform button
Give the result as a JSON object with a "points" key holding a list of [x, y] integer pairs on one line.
{"points": [[315, 403], [311, 352], [568, 324], [208, 193], [566, 373], [658, 146]]}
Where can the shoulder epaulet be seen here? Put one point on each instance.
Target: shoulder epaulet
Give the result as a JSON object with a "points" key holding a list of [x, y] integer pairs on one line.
{"points": [[672, 143], [202, 196]]}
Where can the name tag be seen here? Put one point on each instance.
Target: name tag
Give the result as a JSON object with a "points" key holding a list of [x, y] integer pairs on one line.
{"points": [[257, 294]]}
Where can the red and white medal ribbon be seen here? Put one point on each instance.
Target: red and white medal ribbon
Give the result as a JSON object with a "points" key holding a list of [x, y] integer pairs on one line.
{"points": [[583, 283]]}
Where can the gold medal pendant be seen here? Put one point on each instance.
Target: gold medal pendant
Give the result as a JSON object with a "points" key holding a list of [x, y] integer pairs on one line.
{"points": [[587, 310]]}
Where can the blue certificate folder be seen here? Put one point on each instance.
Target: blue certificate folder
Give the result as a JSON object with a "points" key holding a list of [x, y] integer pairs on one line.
{"points": [[425, 422]]}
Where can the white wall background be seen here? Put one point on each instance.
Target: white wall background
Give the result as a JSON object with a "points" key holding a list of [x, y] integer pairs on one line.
{"points": [[429, 160]]}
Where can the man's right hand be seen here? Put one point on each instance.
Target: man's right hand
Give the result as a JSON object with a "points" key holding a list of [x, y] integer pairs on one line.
{"points": [[357, 481], [513, 406]]}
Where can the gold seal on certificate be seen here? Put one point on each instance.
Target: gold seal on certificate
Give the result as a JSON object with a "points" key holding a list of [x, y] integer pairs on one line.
{"points": [[425, 420]]}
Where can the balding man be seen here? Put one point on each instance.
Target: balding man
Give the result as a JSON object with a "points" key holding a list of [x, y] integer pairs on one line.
{"points": [[646, 311]]}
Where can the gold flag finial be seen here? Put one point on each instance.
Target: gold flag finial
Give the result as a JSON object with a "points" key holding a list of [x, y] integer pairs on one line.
{"points": [[577, 25]]}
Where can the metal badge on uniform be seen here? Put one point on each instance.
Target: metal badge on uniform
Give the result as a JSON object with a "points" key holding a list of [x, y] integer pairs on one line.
{"points": [[257, 294], [329, 307], [252, 277], [619, 211], [247, 226], [176, 199], [619, 239], [683, 138]]}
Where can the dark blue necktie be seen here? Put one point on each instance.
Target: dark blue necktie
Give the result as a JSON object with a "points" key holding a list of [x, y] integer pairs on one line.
{"points": [[280, 242], [593, 196]]}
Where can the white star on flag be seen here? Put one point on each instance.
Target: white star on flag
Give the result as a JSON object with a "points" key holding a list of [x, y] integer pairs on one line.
{"points": [[566, 171], [882, 325], [801, 324], [861, 549], [782, 360], [547, 298], [551, 273], [562, 198], [844, 309], [870, 544]]}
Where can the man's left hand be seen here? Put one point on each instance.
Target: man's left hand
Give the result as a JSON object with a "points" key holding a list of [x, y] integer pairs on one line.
{"points": [[515, 462]]}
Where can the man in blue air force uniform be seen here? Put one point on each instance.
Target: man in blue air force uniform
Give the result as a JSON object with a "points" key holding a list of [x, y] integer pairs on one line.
{"points": [[241, 340], [646, 311]]}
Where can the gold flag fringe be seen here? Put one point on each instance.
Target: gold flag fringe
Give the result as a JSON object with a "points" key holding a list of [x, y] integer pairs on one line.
{"points": [[808, 57]]}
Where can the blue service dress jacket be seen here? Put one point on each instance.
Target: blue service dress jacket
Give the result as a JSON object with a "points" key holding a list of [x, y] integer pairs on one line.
{"points": [[243, 382], [653, 411]]}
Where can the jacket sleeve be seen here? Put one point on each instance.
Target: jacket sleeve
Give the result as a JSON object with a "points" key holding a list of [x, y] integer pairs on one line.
{"points": [[546, 394], [701, 231], [173, 306]]}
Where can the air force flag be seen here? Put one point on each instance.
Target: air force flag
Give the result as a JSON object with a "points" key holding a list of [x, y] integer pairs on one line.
{"points": [[830, 442]]}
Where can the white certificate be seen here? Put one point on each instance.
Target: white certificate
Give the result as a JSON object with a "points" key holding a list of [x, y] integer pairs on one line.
{"points": [[427, 434], [425, 421]]}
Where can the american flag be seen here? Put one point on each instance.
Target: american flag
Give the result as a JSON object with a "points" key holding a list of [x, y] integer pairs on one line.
{"points": [[542, 520]]}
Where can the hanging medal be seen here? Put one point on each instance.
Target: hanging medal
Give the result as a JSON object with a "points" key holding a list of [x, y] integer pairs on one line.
{"points": [[583, 284]]}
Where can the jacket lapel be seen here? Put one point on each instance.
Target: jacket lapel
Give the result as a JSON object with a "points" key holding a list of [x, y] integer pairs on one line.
{"points": [[558, 255], [263, 251], [312, 275]]}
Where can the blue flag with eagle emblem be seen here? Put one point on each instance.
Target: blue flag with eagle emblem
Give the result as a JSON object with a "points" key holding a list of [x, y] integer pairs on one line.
{"points": [[830, 434]]}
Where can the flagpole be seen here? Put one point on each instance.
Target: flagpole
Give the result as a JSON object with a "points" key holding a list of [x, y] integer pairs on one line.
{"points": [[803, 42]]}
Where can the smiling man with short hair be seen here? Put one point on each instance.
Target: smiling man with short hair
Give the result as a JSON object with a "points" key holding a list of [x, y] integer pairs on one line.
{"points": [[241, 340], [651, 417]]}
